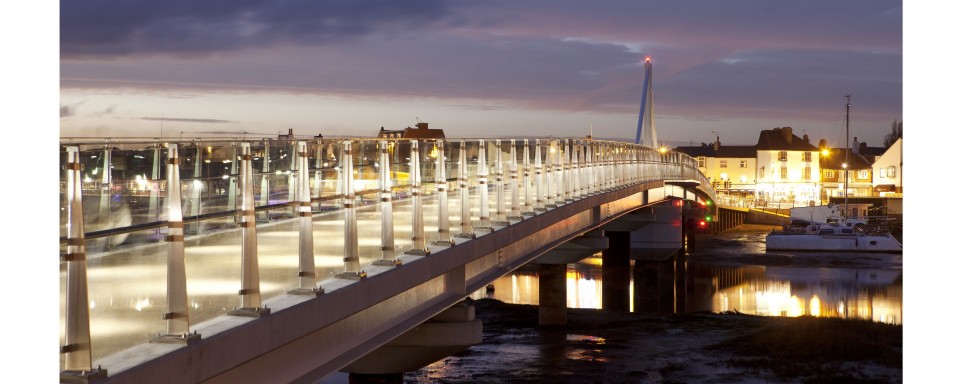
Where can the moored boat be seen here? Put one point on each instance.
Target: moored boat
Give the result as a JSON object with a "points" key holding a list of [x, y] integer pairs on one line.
{"points": [[830, 237]]}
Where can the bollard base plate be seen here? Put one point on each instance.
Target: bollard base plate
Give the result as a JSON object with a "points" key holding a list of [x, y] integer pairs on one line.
{"points": [[465, 235], [388, 263], [91, 376], [250, 312], [418, 252], [177, 338], [306, 291], [351, 275], [447, 243]]}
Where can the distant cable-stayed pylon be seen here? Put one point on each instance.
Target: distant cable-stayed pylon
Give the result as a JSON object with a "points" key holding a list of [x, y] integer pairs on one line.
{"points": [[646, 129]]}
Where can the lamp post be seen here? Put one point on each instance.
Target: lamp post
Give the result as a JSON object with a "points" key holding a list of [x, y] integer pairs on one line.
{"points": [[845, 191]]}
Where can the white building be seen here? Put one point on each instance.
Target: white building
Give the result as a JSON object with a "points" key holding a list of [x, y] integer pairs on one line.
{"points": [[732, 170], [888, 171], [788, 169]]}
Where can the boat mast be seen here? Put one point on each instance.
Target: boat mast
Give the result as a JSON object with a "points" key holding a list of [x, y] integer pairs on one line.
{"points": [[846, 157]]}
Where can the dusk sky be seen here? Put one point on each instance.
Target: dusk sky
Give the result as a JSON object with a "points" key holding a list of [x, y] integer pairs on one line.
{"points": [[480, 68]]}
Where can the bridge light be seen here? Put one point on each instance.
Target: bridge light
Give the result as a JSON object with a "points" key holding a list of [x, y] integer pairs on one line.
{"points": [[708, 219], [703, 224]]}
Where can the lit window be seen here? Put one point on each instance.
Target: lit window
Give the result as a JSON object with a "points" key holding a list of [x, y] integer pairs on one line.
{"points": [[863, 174], [806, 157], [723, 163], [782, 156], [761, 172], [829, 174], [743, 163], [702, 162], [783, 173], [806, 173], [891, 172], [883, 172]]}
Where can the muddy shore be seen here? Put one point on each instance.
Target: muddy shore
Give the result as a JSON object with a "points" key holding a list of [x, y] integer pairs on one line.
{"points": [[602, 346]]}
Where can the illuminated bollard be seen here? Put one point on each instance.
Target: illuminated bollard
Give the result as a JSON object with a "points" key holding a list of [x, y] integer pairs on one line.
{"points": [[78, 362], [528, 203], [501, 217], [482, 190], [538, 168], [265, 182], [443, 215], [103, 218], [466, 224], [177, 314], [249, 267], [291, 176], [588, 164], [561, 173], [307, 273], [351, 245], [387, 243], [196, 188], [318, 175], [232, 191], [576, 172], [549, 200], [416, 189], [154, 187], [514, 184]]}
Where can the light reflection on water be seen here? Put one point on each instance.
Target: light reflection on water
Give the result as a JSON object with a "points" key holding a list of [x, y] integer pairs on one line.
{"points": [[855, 293]]}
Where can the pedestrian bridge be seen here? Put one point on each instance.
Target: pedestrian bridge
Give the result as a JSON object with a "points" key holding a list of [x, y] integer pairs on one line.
{"points": [[287, 259]]}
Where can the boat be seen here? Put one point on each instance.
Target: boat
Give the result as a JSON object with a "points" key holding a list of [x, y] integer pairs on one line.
{"points": [[837, 236], [827, 228]]}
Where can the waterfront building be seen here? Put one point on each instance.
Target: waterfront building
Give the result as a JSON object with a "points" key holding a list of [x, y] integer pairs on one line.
{"points": [[731, 169], [422, 131], [887, 171], [787, 169], [848, 166]]}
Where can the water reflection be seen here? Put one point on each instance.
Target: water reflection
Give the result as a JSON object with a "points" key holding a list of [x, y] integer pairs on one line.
{"points": [[854, 293]]}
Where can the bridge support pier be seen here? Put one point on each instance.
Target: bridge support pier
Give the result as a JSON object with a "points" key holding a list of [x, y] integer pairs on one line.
{"points": [[645, 286], [616, 272], [665, 285], [553, 294]]}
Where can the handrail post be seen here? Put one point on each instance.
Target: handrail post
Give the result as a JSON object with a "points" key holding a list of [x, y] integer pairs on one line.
{"points": [[466, 224], [177, 314], [196, 188], [351, 245], [501, 218], [154, 186], [482, 187], [265, 181], [443, 214], [528, 205], [549, 199], [249, 266], [575, 167], [78, 361], [232, 193], [307, 273], [416, 189], [538, 168], [514, 184], [106, 185], [387, 243]]}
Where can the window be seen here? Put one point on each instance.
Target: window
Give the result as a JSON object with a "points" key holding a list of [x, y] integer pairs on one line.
{"points": [[806, 173], [702, 162], [863, 174], [783, 173], [891, 172], [829, 174], [806, 157], [761, 172], [883, 172], [782, 156], [743, 163], [723, 163]]}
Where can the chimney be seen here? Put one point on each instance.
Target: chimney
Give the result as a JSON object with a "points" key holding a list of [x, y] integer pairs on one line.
{"points": [[787, 133], [806, 138], [823, 144], [716, 144], [856, 145], [290, 132], [863, 147], [421, 125]]}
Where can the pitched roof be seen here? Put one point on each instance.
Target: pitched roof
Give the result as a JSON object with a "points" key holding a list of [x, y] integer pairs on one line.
{"points": [[730, 151], [836, 157], [782, 139]]}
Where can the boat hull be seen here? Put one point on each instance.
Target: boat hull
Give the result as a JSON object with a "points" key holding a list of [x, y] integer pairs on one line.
{"points": [[832, 243]]}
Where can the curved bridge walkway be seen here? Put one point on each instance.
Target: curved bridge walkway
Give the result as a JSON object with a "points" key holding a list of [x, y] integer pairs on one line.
{"points": [[284, 260]]}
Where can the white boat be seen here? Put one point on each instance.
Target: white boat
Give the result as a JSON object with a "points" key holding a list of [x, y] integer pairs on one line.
{"points": [[804, 235]]}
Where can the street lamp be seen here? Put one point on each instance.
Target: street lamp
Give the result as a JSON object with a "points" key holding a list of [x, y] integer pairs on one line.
{"points": [[845, 190]]}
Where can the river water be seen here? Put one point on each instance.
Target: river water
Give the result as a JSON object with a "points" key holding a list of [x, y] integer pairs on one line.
{"points": [[732, 272]]}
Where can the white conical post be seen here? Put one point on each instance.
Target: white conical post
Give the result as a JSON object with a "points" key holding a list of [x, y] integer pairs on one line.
{"points": [[550, 175], [514, 183], [482, 190], [577, 171], [466, 224], [561, 172], [528, 203], [232, 192], [416, 190], [568, 170], [177, 314], [196, 188], [501, 203], [590, 164], [77, 348], [538, 168], [307, 273], [291, 175], [443, 214], [265, 180], [154, 186], [387, 239], [351, 245], [105, 183], [318, 174], [249, 265]]}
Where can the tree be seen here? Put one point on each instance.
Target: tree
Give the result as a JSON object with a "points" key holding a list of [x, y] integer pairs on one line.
{"points": [[896, 132]]}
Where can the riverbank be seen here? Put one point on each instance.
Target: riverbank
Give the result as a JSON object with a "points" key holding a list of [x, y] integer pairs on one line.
{"points": [[598, 346]]}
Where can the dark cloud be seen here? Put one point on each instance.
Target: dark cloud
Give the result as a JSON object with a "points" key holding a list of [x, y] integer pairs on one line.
{"points": [[70, 110], [185, 27]]}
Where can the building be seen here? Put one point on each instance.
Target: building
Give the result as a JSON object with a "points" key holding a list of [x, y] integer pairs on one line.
{"points": [[845, 166], [732, 170], [788, 169], [888, 171], [420, 132]]}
